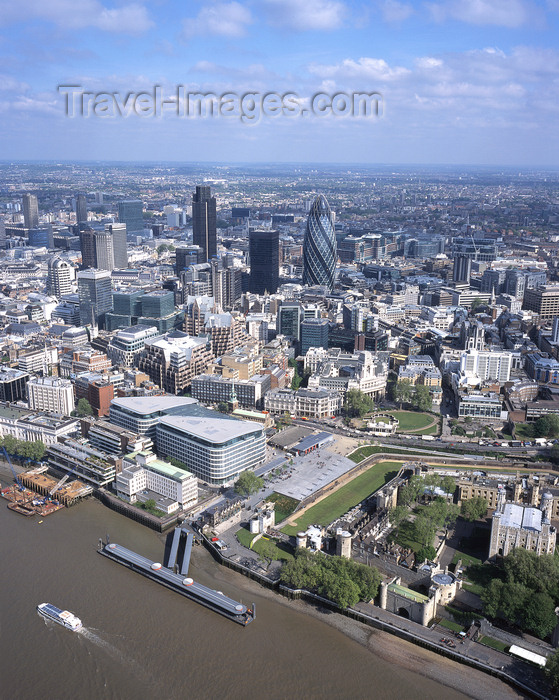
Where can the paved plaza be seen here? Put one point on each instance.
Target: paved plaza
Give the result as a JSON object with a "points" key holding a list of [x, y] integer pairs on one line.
{"points": [[311, 472]]}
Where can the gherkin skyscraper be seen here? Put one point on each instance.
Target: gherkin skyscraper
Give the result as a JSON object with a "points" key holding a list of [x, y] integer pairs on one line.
{"points": [[319, 250]]}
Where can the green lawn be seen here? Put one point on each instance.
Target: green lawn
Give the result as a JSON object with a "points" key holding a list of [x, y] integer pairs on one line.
{"points": [[433, 430], [467, 560], [494, 643], [284, 506], [411, 421], [282, 551], [454, 626], [346, 497], [524, 431], [367, 450], [245, 536]]}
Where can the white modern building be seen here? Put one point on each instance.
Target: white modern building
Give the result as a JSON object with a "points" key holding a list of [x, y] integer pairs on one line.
{"points": [[141, 414], [51, 394], [216, 450], [143, 471], [38, 360], [129, 343], [487, 364]]}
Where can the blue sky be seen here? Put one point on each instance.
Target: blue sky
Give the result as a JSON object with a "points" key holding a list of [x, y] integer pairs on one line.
{"points": [[463, 81]]}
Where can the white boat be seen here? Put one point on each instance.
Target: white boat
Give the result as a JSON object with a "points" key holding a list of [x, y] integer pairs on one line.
{"points": [[62, 617]]}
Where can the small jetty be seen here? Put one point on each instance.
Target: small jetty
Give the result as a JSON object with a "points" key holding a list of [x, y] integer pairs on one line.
{"points": [[179, 560]]}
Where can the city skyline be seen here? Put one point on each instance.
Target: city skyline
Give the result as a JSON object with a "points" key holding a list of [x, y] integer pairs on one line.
{"points": [[461, 83]]}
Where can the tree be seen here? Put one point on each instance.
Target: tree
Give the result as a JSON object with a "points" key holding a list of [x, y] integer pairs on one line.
{"points": [[163, 248], [448, 484], [552, 671], [555, 454], [424, 529], [357, 403], [402, 392], [266, 551], [84, 408], [284, 420], [397, 515], [410, 492], [426, 552], [475, 303], [223, 407], [538, 615], [474, 508], [547, 426], [421, 398], [248, 483]]}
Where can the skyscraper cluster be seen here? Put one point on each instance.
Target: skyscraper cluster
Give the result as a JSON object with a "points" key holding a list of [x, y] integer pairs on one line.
{"points": [[106, 249]]}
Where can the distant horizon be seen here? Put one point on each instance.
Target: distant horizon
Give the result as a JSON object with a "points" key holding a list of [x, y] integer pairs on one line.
{"points": [[224, 163]]}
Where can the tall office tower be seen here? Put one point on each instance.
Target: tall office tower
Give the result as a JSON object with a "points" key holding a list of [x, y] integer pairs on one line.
{"points": [[104, 254], [130, 213], [319, 249], [120, 245], [264, 261], [60, 276], [30, 211], [290, 315], [185, 256], [2, 233], [94, 289], [204, 221], [314, 334], [81, 208], [87, 247], [555, 331], [462, 270], [515, 283]]}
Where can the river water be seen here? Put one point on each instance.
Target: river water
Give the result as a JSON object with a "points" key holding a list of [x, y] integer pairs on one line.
{"points": [[142, 641]]}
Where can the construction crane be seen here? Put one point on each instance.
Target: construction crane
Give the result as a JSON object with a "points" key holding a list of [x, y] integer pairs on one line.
{"points": [[18, 482], [63, 480]]}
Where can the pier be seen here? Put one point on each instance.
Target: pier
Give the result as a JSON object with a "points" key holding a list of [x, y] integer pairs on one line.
{"points": [[214, 600]]}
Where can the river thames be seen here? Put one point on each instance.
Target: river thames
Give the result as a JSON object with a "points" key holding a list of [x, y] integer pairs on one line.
{"points": [[144, 641]]}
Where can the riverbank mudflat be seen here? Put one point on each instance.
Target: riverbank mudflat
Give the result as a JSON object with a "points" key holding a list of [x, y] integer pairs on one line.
{"points": [[398, 652]]}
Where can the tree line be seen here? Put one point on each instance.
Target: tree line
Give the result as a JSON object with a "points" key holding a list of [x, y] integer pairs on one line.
{"points": [[23, 448], [341, 580], [528, 593]]}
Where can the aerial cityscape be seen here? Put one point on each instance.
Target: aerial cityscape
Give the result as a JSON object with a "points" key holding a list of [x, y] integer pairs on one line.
{"points": [[279, 347]]}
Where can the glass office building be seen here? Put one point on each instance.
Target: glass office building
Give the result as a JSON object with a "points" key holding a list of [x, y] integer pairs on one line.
{"points": [[319, 250]]}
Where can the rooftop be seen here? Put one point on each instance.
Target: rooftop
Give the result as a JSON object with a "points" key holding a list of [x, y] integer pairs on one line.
{"points": [[146, 405], [216, 430], [521, 517]]}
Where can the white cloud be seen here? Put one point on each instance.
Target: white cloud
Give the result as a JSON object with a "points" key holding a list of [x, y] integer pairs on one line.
{"points": [[395, 12], [501, 13], [80, 14], [363, 69], [229, 19], [305, 15]]}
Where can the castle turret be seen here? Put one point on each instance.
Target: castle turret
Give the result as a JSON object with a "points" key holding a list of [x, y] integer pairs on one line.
{"points": [[546, 506]]}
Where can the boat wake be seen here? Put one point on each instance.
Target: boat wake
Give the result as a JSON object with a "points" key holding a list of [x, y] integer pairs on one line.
{"points": [[91, 636]]}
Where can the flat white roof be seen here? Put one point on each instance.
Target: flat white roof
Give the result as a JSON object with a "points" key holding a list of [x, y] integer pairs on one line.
{"points": [[528, 655], [523, 517], [212, 429], [143, 405]]}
